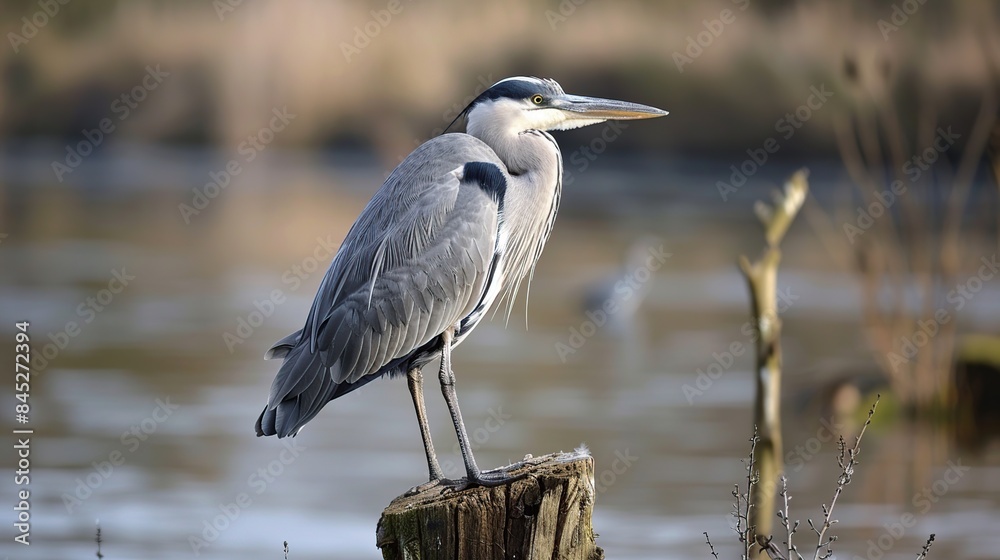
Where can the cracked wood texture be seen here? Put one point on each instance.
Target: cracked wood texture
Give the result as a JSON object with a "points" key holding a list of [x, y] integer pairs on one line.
{"points": [[545, 515]]}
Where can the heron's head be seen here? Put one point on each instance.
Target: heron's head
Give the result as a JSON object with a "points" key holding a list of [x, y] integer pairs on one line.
{"points": [[521, 103]]}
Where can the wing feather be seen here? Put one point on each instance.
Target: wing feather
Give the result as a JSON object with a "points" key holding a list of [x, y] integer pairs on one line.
{"points": [[413, 264]]}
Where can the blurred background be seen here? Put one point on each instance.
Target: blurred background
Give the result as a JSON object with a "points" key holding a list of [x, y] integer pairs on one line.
{"points": [[176, 175]]}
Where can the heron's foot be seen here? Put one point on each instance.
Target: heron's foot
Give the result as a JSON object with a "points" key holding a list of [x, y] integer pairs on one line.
{"points": [[497, 477], [427, 486], [488, 479]]}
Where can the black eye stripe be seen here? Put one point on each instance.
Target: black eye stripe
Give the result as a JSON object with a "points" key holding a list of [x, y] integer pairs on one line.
{"points": [[520, 89]]}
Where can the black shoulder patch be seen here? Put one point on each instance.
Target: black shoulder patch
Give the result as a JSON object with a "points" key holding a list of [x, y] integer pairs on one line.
{"points": [[488, 176]]}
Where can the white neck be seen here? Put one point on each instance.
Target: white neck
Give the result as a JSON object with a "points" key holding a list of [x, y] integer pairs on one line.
{"points": [[534, 164]]}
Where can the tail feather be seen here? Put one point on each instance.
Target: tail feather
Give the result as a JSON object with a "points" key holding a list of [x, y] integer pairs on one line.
{"points": [[283, 346], [301, 388], [300, 373]]}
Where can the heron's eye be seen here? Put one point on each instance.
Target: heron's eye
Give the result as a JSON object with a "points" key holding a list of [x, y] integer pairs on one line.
{"points": [[536, 99]]}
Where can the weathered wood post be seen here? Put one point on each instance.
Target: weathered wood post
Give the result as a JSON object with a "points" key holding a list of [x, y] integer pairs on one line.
{"points": [[761, 277], [546, 514]]}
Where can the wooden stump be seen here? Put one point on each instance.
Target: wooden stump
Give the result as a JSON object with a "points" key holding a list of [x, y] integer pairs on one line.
{"points": [[546, 515]]}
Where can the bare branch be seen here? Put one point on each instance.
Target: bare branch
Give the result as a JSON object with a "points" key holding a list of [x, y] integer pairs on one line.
{"points": [[786, 204], [98, 540], [742, 506], [926, 548], [710, 547], [790, 527], [847, 460]]}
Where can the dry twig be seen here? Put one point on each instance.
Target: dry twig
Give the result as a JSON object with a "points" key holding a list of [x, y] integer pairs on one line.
{"points": [[925, 549], [847, 460], [790, 527], [742, 506], [98, 540], [710, 547]]}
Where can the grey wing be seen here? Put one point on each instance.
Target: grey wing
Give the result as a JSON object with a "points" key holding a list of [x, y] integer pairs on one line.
{"points": [[422, 276], [414, 264]]}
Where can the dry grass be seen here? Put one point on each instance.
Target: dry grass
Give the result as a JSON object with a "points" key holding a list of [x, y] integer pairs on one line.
{"points": [[910, 232]]}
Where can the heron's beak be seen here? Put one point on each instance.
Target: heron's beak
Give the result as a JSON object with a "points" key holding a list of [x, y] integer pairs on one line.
{"points": [[598, 108]]}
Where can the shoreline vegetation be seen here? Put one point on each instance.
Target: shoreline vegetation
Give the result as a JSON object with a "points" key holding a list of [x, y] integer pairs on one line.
{"points": [[738, 69]]}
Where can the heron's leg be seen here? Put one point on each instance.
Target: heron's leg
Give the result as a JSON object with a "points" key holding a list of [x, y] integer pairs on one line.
{"points": [[415, 381], [447, 377]]}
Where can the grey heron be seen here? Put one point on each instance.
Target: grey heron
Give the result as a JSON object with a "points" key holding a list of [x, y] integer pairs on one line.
{"points": [[620, 295], [459, 224]]}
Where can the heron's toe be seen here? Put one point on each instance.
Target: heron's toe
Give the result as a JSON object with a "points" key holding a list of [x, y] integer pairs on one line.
{"points": [[443, 482], [497, 477]]}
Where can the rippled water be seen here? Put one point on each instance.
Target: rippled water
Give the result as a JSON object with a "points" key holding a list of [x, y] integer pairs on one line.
{"points": [[153, 383]]}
